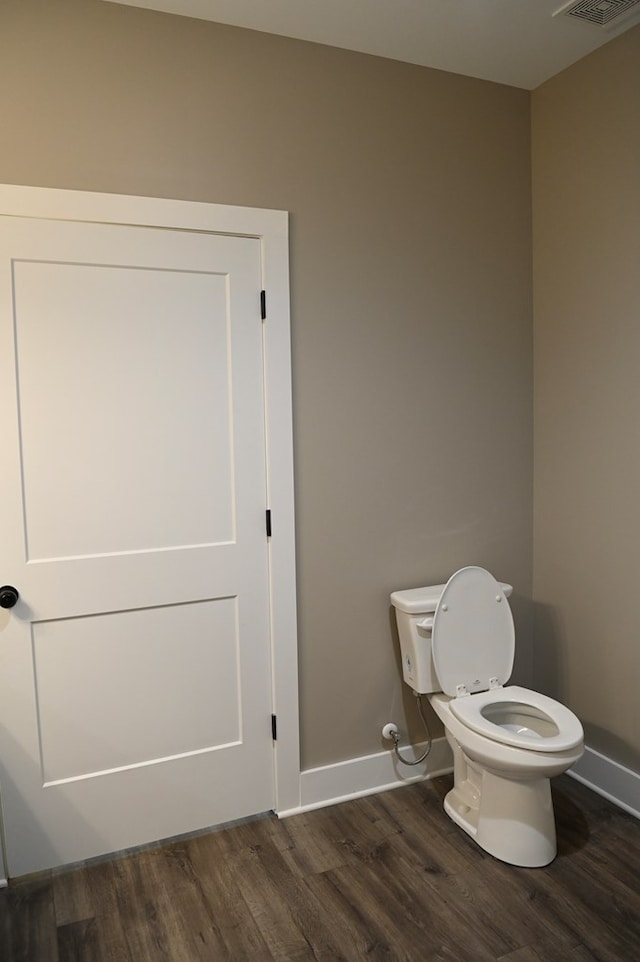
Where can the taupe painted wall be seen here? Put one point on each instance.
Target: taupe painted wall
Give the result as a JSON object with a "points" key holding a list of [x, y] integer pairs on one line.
{"points": [[409, 193], [586, 177]]}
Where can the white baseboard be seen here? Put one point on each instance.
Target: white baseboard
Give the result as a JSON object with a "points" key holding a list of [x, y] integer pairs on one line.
{"points": [[613, 781], [357, 777], [367, 775]]}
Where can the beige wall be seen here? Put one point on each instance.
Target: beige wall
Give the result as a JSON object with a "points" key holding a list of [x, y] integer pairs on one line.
{"points": [[586, 190], [409, 193]]}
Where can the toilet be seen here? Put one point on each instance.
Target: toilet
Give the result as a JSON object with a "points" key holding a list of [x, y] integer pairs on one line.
{"points": [[457, 643]]}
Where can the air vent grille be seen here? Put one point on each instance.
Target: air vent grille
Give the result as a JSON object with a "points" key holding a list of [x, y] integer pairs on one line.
{"points": [[599, 12]]}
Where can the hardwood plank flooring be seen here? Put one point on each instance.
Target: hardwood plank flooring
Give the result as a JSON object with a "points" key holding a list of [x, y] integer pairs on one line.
{"points": [[387, 878]]}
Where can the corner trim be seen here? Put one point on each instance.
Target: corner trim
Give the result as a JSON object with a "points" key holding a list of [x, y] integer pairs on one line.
{"points": [[367, 775], [610, 779]]}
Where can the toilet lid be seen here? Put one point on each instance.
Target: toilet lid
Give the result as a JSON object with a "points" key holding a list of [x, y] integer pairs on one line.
{"points": [[473, 638]]}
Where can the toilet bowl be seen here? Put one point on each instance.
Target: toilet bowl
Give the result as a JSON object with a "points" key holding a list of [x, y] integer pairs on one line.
{"points": [[457, 644]]}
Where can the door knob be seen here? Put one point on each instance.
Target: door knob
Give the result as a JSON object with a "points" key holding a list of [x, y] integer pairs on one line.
{"points": [[8, 596]]}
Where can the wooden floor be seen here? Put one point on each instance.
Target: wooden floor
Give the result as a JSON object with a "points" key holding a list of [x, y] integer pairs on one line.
{"points": [[387, 877]]}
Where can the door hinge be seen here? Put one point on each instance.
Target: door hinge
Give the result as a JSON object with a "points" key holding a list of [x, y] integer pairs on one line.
{"points": [[263, 304], [274, 728], [268, 521]]}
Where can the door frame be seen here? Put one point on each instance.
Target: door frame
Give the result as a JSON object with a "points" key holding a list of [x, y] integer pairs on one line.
{"points": [[271, 228]]}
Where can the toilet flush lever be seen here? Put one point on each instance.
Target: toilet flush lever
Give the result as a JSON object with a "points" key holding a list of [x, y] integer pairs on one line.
{"points": [[426, 623]]}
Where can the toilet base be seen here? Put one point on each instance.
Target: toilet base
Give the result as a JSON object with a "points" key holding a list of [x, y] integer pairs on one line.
{"points": [[508, 818]]}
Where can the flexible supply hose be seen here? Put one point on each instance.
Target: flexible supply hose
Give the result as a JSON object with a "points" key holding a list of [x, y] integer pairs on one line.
{"points": [[396, 738]]}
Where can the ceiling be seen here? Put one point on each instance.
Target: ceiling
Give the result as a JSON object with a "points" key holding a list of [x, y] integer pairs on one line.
{"points": [[515, 42]]}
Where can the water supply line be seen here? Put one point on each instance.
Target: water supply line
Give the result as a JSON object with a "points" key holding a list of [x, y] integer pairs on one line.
{"points": [[391, 731]]}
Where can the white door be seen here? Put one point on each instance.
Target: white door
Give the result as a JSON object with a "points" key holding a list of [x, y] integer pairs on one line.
{"points": [[135, 679]]}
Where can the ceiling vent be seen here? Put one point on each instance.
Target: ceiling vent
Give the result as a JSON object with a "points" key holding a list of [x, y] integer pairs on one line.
{"points": [[601, 13]]}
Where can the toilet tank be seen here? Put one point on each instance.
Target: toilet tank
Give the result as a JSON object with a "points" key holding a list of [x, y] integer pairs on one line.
{"points": [[415, 609]]}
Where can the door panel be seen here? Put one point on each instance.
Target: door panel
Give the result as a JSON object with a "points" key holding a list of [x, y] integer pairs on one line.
{"points": [[190, 711], [70, 334], [135, 692]]}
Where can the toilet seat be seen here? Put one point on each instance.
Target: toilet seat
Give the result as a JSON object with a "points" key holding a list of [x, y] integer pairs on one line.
{"points": [[473, 636], [474, 711], [473, 645]]}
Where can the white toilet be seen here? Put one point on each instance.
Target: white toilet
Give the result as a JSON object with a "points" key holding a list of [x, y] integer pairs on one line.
{"points": [[457, 643]]}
